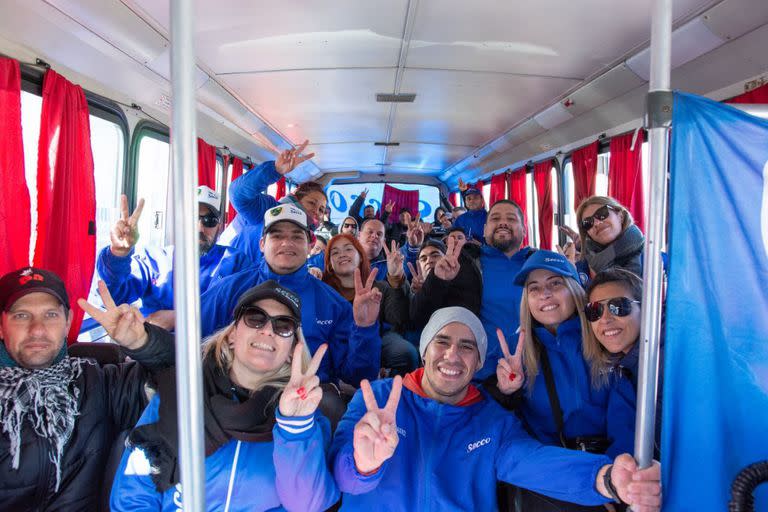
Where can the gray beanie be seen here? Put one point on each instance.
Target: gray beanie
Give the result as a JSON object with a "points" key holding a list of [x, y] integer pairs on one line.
{"points": [[445, 316]]}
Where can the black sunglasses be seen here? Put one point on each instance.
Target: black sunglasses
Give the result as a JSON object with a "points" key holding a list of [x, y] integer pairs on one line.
{"points": [[350, 225], [617, 306], [256, 318], [600, 214], [209, 220]]}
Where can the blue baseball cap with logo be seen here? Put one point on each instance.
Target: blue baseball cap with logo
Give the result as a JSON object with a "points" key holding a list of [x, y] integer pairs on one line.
{"points": [[547, 260]]}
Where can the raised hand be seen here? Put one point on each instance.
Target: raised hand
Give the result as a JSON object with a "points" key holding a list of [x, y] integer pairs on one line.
{"points": [[573, 235], [426, 227], [364, 193], [315, 272], [367, 303], [447, 267], [394, 260], [290, 158], [123, 323], [415, 233], [462, 186], [303, 392], [165, 318], [389, 206], [375, 437], [641, 488], [125, 232], [569, 251], [417, 280], [509, 371]]}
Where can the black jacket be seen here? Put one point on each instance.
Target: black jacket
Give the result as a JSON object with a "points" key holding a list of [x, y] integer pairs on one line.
{"points": [[466, 290], [112, 398]]}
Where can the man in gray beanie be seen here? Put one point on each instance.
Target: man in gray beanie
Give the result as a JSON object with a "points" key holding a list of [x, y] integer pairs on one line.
{"points": [[458, 442]]}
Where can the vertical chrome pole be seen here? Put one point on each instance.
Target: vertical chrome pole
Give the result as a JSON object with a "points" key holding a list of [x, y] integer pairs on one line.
{"points": [[186, 275], [659, 122]]}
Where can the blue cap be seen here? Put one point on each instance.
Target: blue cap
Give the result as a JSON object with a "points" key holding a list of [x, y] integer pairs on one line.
{"points": [[472, 190], [546, 260]]}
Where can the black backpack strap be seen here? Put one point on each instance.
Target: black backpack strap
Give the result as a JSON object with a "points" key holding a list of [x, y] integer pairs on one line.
{"points": [[554, 400]]}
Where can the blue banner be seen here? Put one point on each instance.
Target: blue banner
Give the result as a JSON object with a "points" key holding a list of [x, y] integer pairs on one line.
{"points": [[715, 409]]}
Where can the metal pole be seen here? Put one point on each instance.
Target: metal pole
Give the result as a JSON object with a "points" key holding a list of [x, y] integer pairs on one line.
{"points": [[659, 122], [186, 275]]}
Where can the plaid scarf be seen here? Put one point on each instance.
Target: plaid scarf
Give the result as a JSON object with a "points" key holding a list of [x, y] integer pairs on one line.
{"points": [[47, 398]]}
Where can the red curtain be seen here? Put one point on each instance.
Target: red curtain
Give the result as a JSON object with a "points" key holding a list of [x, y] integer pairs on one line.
{"points": [[542, 176], [625, 175], [280, 190], [759, 95], [518, 194], [14, 201], [453, 198], [498, 187], [206, 164], [66, 193], [584, 172], [237, 171], [403, 199]]}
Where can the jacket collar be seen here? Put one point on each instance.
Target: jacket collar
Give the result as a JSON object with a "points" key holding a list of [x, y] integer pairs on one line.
{"points": [[566, 331]]}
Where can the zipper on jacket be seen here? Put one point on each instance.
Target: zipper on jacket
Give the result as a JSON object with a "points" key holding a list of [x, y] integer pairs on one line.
{"points": [[232, 477], [428, 477]]}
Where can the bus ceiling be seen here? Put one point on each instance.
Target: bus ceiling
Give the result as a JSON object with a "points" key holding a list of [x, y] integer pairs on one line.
{"points": [[493, 84]]}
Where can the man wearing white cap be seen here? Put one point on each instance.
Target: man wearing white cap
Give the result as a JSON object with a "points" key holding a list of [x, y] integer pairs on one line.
{"points": [[458, 442], [147, 274]]}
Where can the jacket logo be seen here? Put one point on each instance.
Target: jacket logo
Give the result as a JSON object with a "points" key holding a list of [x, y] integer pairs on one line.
{"points": [[401, 431], [325, 322], [478, 444], [276, 211]]}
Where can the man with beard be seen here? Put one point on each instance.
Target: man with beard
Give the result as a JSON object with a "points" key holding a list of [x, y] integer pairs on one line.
{"points": [[147, 274], [498, 262], [458, 442]]}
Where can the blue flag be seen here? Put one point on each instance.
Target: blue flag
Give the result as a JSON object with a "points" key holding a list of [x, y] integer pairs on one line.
{"points": [[715, 410]]}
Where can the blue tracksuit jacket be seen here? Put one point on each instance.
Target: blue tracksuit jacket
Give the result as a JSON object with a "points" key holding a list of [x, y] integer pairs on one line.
{"points": [[450, 457], [147, 274], [354, 353], [289, 473], [500, 305], [473, 223], [586, 410]]}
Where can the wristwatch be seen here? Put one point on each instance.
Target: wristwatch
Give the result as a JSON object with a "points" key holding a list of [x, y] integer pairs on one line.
{"points": [[609, 485]]}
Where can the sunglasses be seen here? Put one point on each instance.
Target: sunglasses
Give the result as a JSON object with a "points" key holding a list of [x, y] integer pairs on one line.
{"points": [[350, 225], [256, 318], [209, 220], [617, 306], [601, 214]]}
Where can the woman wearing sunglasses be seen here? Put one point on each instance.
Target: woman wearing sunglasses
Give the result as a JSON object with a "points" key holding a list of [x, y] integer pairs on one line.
{"points": [[348, 226], [558, 403], [265, 442], [609, 237]]}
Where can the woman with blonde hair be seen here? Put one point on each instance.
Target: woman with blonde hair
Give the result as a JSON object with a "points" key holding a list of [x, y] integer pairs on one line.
{"points": [[264, 439], [609, 237]]}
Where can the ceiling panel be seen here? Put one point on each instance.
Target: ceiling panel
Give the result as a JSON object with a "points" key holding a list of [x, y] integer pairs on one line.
{"points": [[469, 109], [560, 38], [347, 156], [322, 106], [247, 36], [432, 158]]}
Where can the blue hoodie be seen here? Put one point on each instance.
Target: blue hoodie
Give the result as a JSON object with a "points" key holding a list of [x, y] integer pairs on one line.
{"points": [[288, 473], [473, 223], [586, 410], [147, 274], [354, 353], [450, 457], [500, 305]]}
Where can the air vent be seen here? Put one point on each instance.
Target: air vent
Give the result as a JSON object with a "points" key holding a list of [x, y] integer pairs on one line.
{"points": [[386, 144], [395, 98]]}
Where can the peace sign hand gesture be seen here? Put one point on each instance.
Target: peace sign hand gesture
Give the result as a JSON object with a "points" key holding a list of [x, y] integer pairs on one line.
{"points": [[415, 233], [125, 232], [123, 323], [462, 186], [394, 260], [509, 371], [303, 392], [290, 158], [365, 307], [389, 206], [447, 267], [417, 280], [375, 437]]}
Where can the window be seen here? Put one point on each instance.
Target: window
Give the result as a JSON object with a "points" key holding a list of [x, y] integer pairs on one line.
{"points": [[31, 107], [533, 210], [555, 204], [487, 194], [341, 197], [152, 170], [601, 188]]}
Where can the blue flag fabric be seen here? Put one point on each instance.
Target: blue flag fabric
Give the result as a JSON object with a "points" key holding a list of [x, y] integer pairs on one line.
{"points": [[715, 410]]}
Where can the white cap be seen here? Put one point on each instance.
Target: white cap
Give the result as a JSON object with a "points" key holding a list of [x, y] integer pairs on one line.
{"points": [[288, 213], [209, 198]]}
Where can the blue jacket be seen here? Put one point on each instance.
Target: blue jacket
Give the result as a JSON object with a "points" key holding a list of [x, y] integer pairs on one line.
{"points": [[147, 274], [500, 305], [288, 473], [248, 194], [450, 457], [473, 223], [585, 409], [354, 353]]}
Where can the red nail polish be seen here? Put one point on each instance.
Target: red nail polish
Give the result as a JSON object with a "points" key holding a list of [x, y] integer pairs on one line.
{"points": [[302, 393], [512, 376]]}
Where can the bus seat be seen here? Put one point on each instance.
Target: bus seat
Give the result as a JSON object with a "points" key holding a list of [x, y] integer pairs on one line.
{"points": [[102, 353]]}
